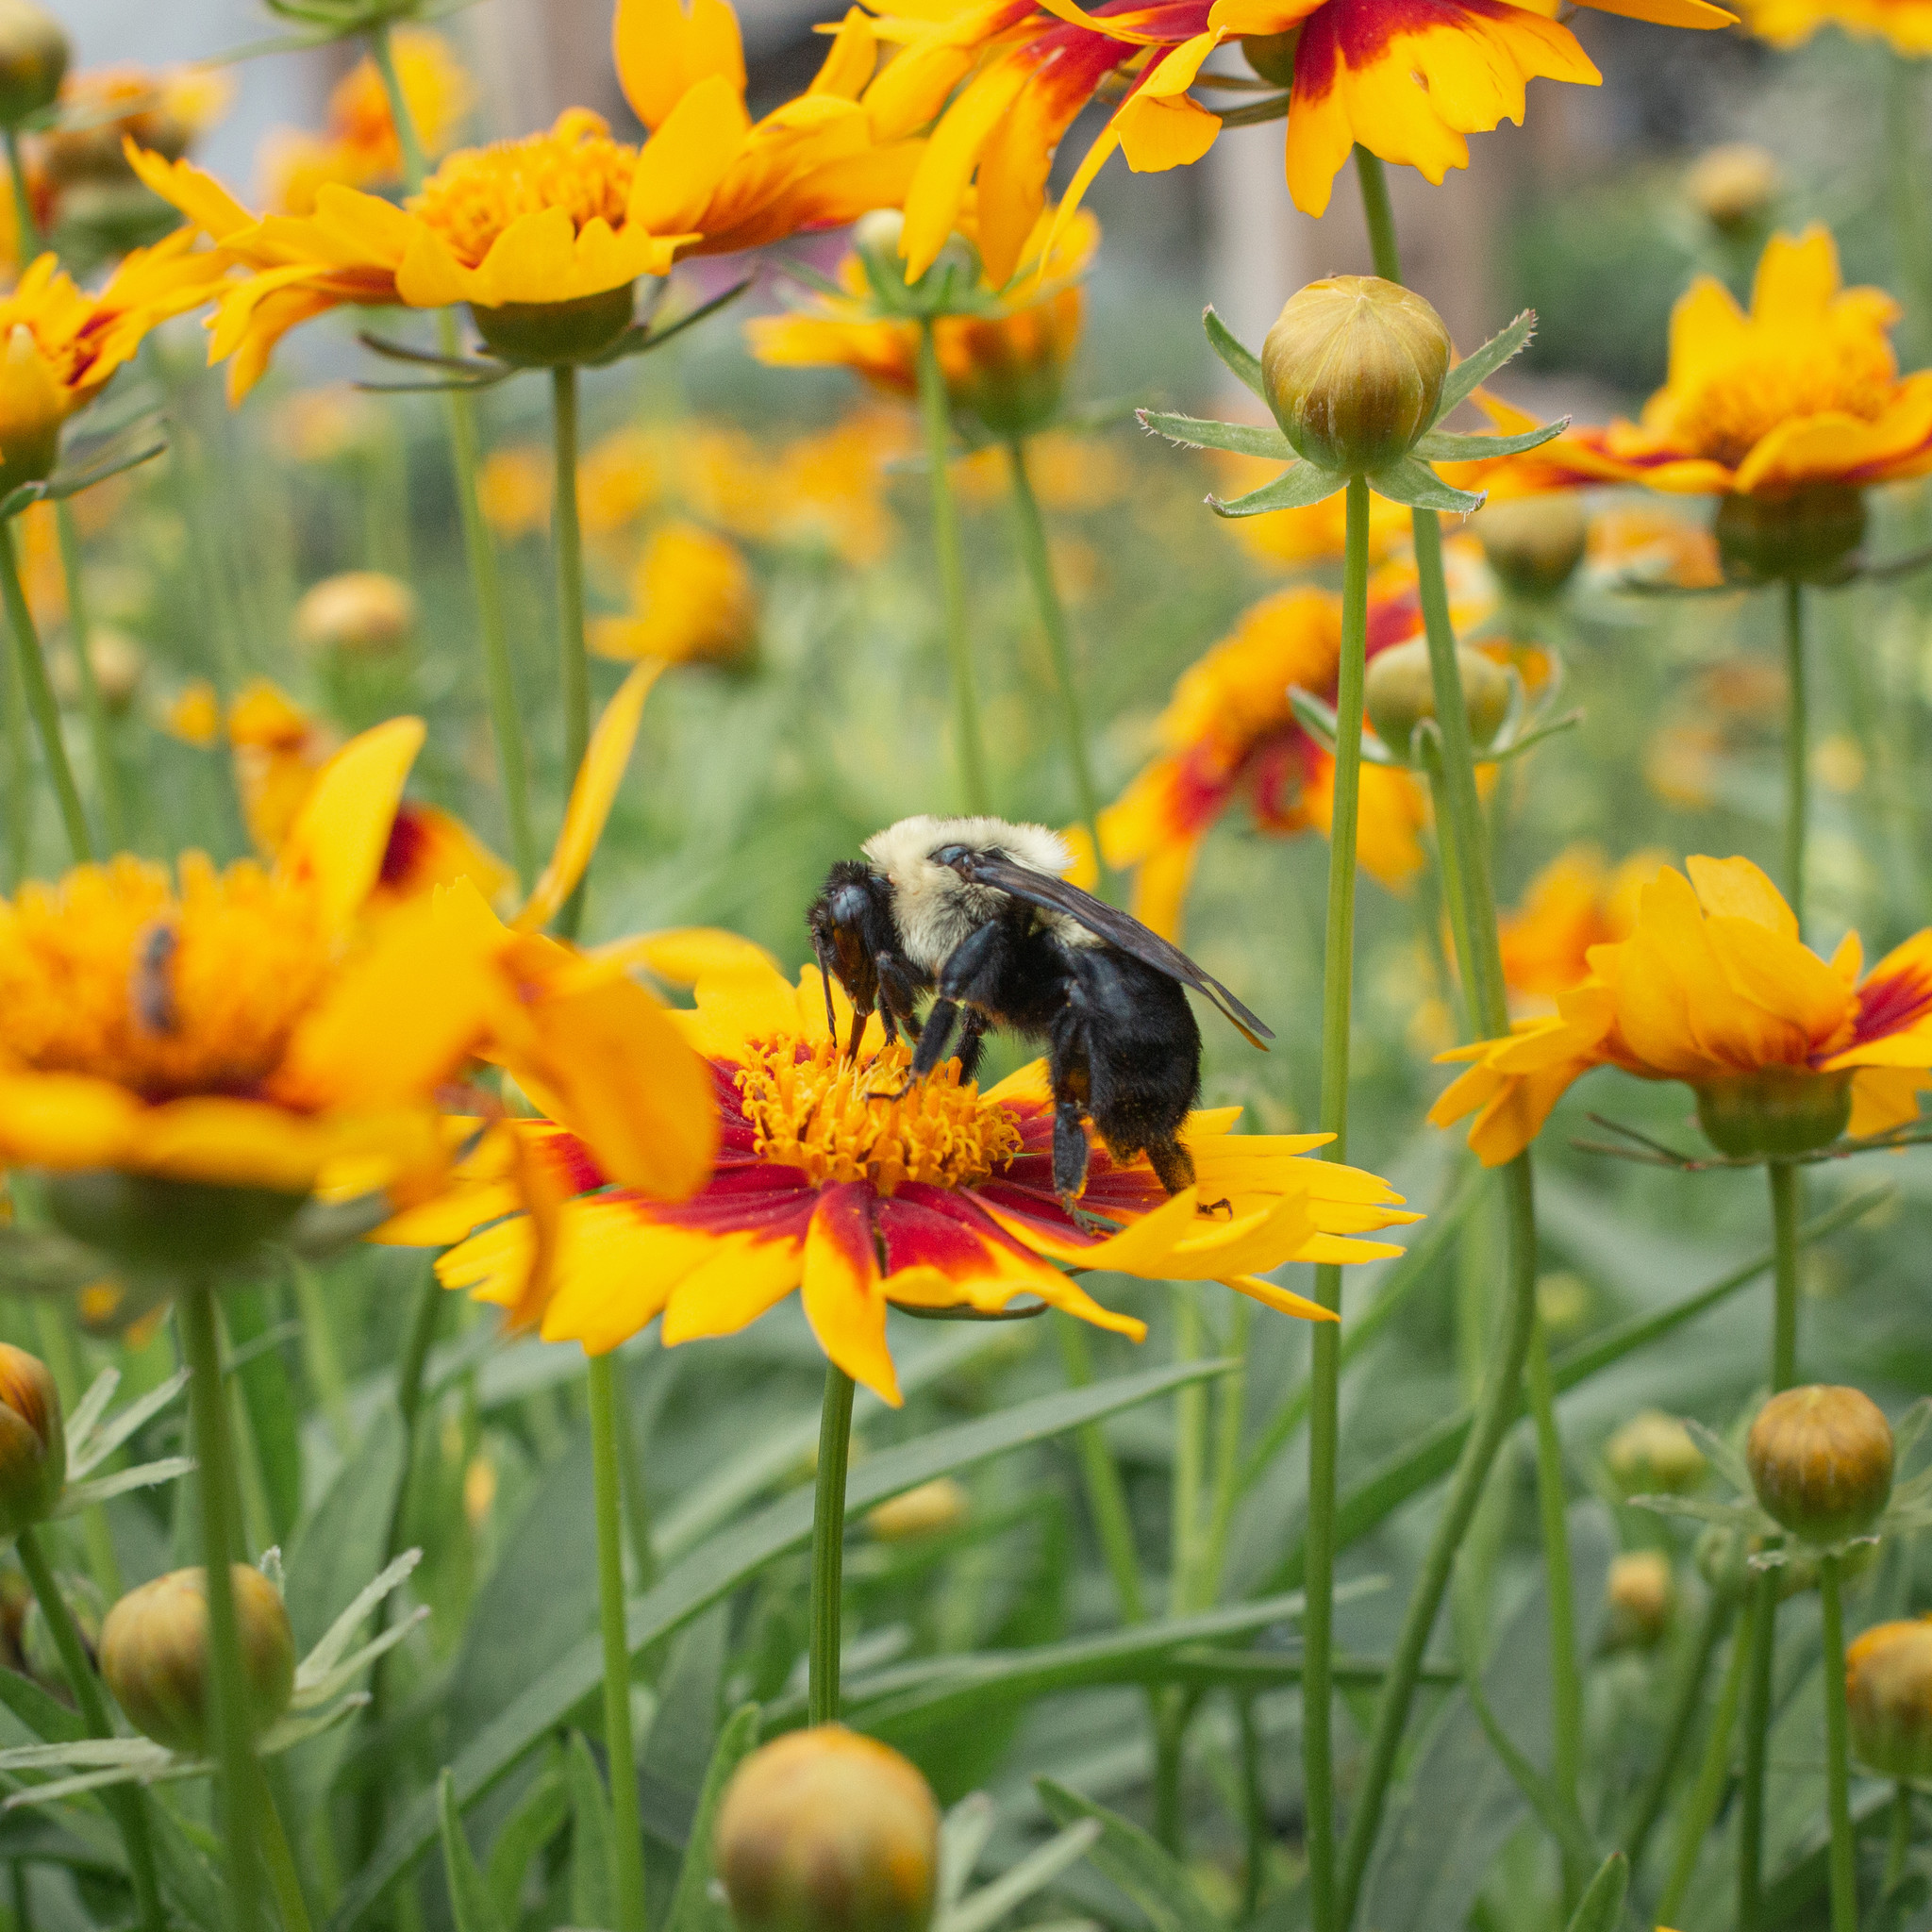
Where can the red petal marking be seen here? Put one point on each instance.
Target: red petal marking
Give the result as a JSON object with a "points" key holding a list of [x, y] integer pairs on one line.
{"points": [[1394, 620], [771, 1200], [1278, 772], [1198, 791], [1041, 1208], [1358, 32], [843, 1216], [922, 1226], [408, 836], [1890, 1005], [570, 1161]]}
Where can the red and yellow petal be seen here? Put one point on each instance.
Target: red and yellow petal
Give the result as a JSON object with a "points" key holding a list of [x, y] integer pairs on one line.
{"points": [[843, 1290]]}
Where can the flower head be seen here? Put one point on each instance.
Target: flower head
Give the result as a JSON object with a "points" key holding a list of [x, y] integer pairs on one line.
{"points": [[1713, 987], [692, 601], [1906, 25], [942, 1198], [1575, 902]]}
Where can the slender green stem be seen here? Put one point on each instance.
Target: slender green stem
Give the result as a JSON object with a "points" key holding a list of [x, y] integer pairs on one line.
{"points": [[40, 696], [573, 678], [1713, 1772], [1785, 1210], [214, 1458], [1053, 620], [936, 418], [1718, 1612], [1254, 1812], [607, 1477], [23, 200], [829, 1547], [1169, 1741], [127, 1807], [1189, 1453], [1905, 157], [56, 1325], [1380, 215], [1898, 1838], [1837, 1761], [1229, 1416], [100, 729], [284, 1880], [19, 777], [1756, 1752], [486, 581], [1106, 1497], [1795, 749], [637, 1506]]}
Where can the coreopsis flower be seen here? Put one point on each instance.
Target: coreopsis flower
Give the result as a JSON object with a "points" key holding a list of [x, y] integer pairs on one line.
{"points": [[692, 601], [1906, 25], [1713, 987], [1405, 83], [940, 1199], [1576, 901], [513, 489]]}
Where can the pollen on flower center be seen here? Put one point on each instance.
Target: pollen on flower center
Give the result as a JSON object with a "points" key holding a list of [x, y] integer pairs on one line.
{"points": [[1781, 376], [477, 192], [120, 974], [811, 1110]]}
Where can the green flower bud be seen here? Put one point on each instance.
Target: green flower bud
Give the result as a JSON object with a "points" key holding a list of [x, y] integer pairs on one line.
{"points": [[33, 1442], [878, 238], [1889, 1697], [1654, 1454], [40, 1654], [1820, 1462], [150, 1223], [1803, 538], [1534, 543], [1400, 691], [1353, 370], [825, 1831], [1641, 1594], [1776, 1111], [34, 53], [1272, 56], [155, 1656], [359, 612], [556, 335]]}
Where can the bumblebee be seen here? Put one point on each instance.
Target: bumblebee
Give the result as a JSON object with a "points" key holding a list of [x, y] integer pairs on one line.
{"points": [[978, 914]]}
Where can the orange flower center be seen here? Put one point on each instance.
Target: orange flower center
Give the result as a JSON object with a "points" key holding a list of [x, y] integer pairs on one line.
{"points": [[118, 973], [479, 191], [814, 1111], [1780, 374]]}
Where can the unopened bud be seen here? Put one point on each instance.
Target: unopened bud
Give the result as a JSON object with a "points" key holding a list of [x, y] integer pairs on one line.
{"points": [[1400, 691], [38, 1651], [1641, 1594], [1804, 537], [556, 335], [1272, 56], [33, 1442], [155, 1656], [1353, 370], [356, 611], [1889, 1697], [1733, 187], [117, 662], [32, 408], [1534, 543], [1820, 1462], [1773, 1111], [941, 1504], [1654, 1454], [827, 1831], [34, 51]]}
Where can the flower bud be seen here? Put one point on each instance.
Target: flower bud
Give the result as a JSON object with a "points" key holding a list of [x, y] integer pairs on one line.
{"points": [[1534, 543], [1641, 1594], [1889, 1697], [33, 1442], [1353, 370], [16, 1596], [152, 1224], [155, 1656], [1803, 538], [356, 611], [941, 1504], [825, 1831], [1272, 56], [1733, 187], [1776, 1111], [117, 661], [34, 53], [556, 335], [1820, 1462], [1654, 1454], [32, 408], [1400, 691], [40, 1654]]}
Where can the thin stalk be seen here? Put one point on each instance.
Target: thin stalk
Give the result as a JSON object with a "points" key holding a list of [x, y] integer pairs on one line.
{"points": [[55, 1324], [1784, 1208], [19, 777], [1795, 734], [936, 418], [22, 202], [284, 1880], [1650, 1806], [1324, 1367], [1903, 147], [1713, 1773], [486, 581], [1053, 620], [100, 730], [637, 1506], [1170, 1737], [1756, 1752], [214, 1458], [1189, 1453], [574, 668], [1898, 1838], [1254, 1812], [1106, 1497], [829, 1546], [127, 1807], [1230, 1414], [606, 1479], [1837, 1763], [39, 697]]}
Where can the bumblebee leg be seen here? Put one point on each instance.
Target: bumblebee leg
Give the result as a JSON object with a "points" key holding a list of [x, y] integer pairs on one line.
{"points": [[935, 1038], [971, 1037], [1070, 1155]]}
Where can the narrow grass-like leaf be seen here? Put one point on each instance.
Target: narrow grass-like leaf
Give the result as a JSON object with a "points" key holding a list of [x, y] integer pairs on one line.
{"points": [[1502, 753], [337, 1638], [87, 1412], [538, 1816], [1478, 367], [1601, 1907], [963, 1833], [470, 1903], [1201, 432], [78, 1496], [693, 1907], [1298, 486], [1419, 487], [1455, 447], [593, 1838], [1240, 361], [1556, 1818], [987, 1906], [41, 1712], [1153, 1878], [110, 1435]]}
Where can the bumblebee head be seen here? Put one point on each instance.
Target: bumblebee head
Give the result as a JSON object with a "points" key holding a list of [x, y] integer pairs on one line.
{"points": [[845, 921]]}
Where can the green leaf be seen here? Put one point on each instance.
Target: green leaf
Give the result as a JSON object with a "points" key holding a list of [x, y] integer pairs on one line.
{"points": [[43, 1713], [268, 1397], [1453, 446], [1555, 1818], [1475, 370], [1420, 488], [1601, 1907], [538, 1817], [684, 1732], [592, 1841], [1298, 486], [470, 1903], [693, 1907], [1499, 755], [1242, 363], [718, 1567], [1201, 432], [1155, 1880], [987, 1906]]}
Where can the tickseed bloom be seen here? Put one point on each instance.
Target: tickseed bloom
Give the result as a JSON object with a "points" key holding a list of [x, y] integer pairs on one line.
{"points": [[1405, 80], [692, 601], [1713, 987], [545, 238], [1578, 901], [1904, 25], [942, 1199]]}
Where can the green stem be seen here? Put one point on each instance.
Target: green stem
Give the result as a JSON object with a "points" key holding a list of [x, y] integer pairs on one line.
{"points": [[127, 1807], [56, 1325], [1253, 1813], [1230, 1414], [936, 418], [319, 1350], [20, 778], [1784, 1208], [1169, 1741], [1898, 1838], [607, 1475], [637, 1506], [284, 1880], [1378, 212], [1650, 1806], [1903, 149], [1053, 620], [1713, 1772], [1106, 1497], [1756, 1752], [486, 581], [40, 696], [829, 1546], [1838, 1766], [1189, 1453], [100, 730], [573, 670], [22, 201], [234, 1749], [1795, 732]]}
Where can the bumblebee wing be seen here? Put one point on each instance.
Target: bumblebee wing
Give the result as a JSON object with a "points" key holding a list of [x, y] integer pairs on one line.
{"points": [[1106, 922]]}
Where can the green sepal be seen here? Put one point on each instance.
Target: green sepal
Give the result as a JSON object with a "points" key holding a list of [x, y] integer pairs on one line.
{"points": [[1601, 1907], [322, 1228], [1476, 368], [1453, 446], [1318, 720], [1419, 487], [1204, 432], [642, 337], [1514, 747], [1242, 363], [126, 451], [1297, 487]]}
